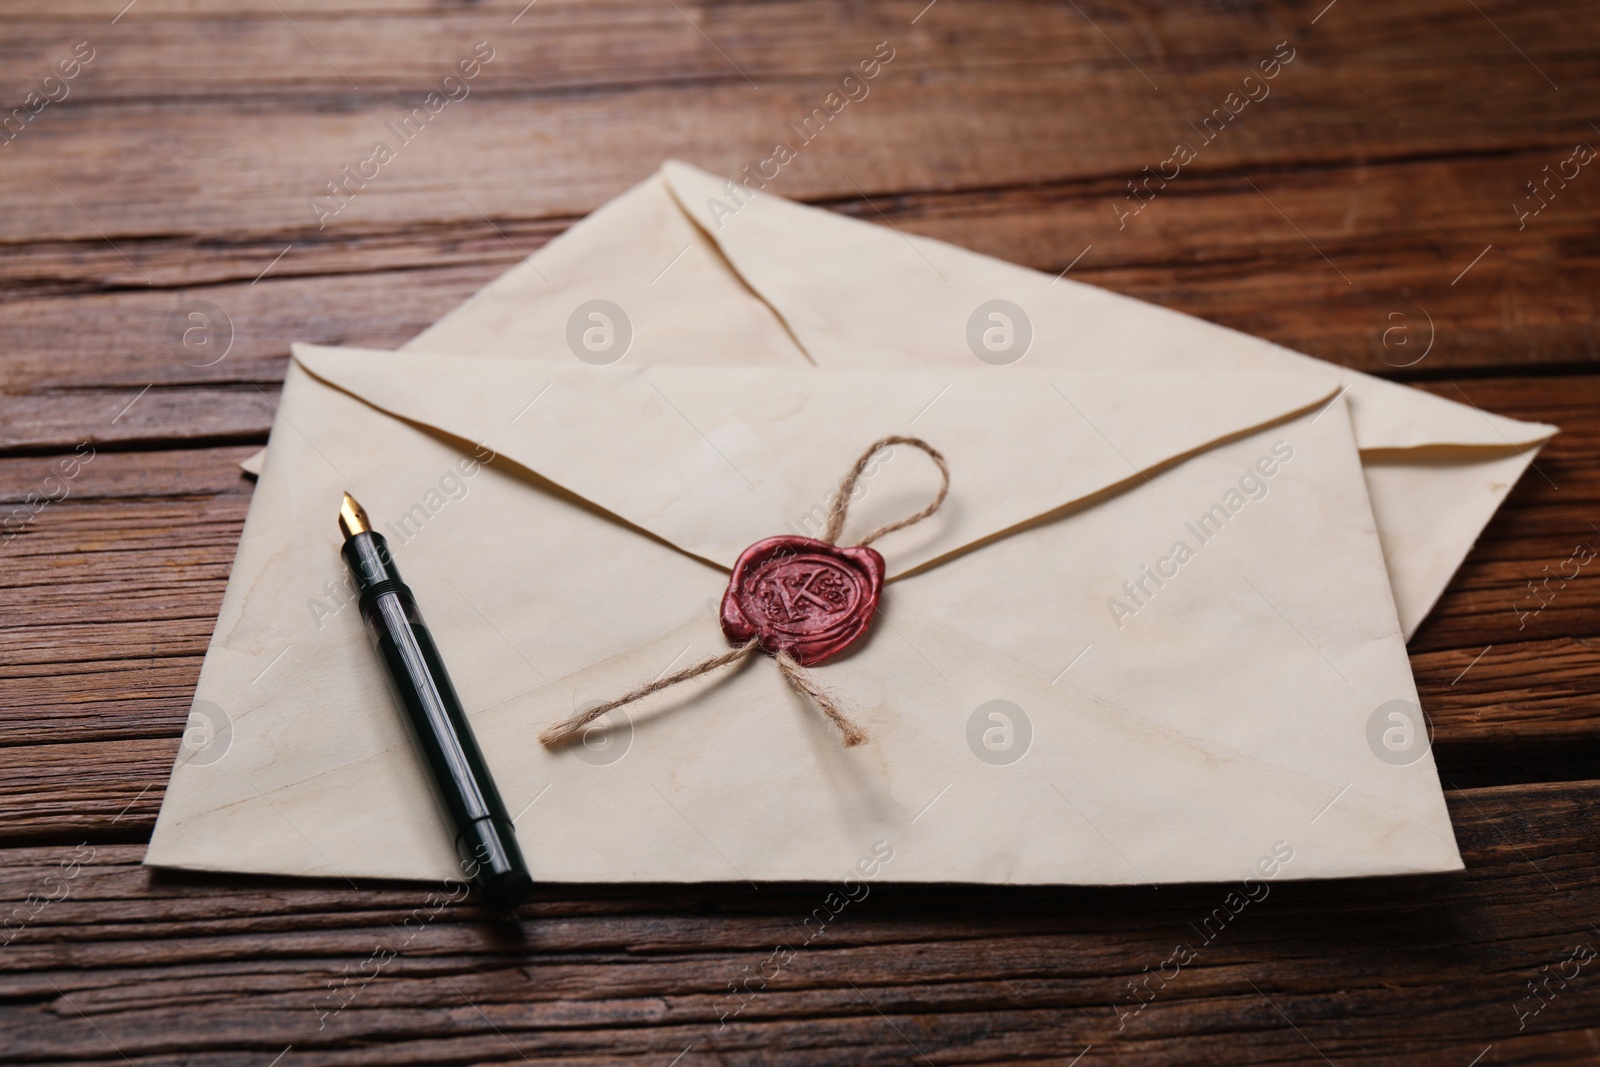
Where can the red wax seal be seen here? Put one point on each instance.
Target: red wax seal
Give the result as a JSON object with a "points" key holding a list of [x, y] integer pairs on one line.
{"points": [[805, 597]]}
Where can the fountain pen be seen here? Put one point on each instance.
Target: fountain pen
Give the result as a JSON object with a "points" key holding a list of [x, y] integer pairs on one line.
{"points": [[486, 840]]}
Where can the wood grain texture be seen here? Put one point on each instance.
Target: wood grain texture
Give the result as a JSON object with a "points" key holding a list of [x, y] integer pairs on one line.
{"points": [[966, 89], [1215, 248], [164, 970], [1361, 154], [1373, 188]]}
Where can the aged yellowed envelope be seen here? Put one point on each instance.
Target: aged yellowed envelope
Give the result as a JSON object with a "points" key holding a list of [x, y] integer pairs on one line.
{"points": [[1157, 629], [1023, 728]]}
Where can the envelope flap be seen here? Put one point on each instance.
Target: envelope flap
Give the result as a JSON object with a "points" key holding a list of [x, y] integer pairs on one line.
{"points": [[712, 459], [825, 275]]}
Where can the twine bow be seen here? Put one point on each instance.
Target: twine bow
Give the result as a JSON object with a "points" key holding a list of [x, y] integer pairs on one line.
{"points": [[797, 676]]}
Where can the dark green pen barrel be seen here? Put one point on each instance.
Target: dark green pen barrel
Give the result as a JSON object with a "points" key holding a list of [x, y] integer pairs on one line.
{"points": [[485, 838]]}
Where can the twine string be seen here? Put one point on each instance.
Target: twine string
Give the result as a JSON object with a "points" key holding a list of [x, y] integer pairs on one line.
{"points": [[847, 488], [796, 675], [806, 685], [567, 727]]}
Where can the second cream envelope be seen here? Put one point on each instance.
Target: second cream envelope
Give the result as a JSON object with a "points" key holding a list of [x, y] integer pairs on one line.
{"points": [[1024, 728], [708, 272], [697, 270]]}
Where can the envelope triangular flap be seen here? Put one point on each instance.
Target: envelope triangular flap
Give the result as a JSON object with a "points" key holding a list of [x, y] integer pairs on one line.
{"points": [[712, 459], [824, 274], [640, 253]]}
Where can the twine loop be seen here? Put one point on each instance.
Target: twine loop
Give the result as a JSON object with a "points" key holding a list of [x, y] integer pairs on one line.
{"points": [[841, 502]]}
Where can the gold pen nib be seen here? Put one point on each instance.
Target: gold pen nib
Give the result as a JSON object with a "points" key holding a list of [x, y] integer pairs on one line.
{"points": [[352, 519]]}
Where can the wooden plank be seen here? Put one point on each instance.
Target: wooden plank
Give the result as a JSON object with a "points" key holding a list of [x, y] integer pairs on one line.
{"points": [[1397, 208], [300, 49], [1215, 248], [164, 969], [967, 86], [1398, 230], [75, 363], [111, 596]]}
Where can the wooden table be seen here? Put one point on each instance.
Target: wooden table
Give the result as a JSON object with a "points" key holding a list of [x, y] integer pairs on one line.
{"points": [[1365, 211]]}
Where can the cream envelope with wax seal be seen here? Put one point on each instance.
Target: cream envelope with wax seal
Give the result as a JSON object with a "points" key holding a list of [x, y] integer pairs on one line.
{"points": [[1148, 638], [707, 271]]}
